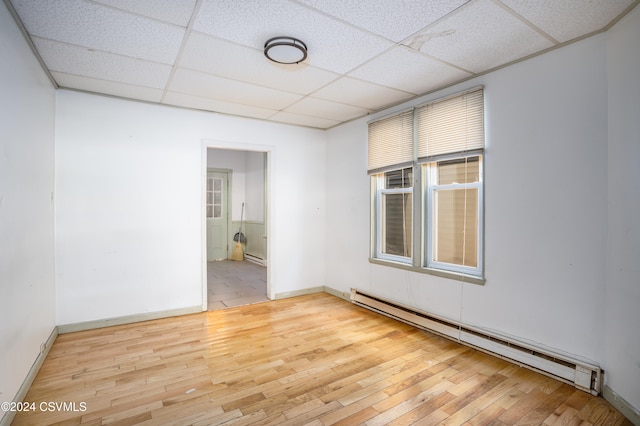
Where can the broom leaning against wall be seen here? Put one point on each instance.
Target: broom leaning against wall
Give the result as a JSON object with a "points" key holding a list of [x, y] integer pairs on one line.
{"points": [[239, 238]]}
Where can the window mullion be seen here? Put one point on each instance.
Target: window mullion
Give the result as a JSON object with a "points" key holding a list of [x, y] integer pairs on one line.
{"points": [[418, 234]]}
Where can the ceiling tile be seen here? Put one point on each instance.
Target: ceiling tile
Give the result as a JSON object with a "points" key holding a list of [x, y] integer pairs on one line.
{"points": [[363, 55], [418, 74], [189, 101], [87, 24], [361, 93], [332, 45], [76, 60], [568, 19], [480, 36], [173, 11], [226, 59], [382, 16], [122, 90], [304, 120], [326, 109], [210, 86]]}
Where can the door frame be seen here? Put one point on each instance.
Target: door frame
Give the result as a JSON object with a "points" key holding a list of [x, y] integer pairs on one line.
{"points": [[270, 157], [229, 174]]}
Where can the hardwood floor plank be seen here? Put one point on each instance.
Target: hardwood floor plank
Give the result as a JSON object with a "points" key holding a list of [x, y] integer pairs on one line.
{"points": [[527, 403], [407, 405], [540, 412], [359, 417], [423, 410], [315, 360], [599, 412], [485, 416], [349, 410]]}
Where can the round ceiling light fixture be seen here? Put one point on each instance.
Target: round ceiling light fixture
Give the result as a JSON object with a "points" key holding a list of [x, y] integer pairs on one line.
{"points": [[285, 50]]}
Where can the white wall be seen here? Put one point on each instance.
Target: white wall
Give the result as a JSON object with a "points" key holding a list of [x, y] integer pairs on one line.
{"points": [[129, 212], [545, 207], [623, 272], [348, 207], [255, 181], [236, 161], [27, 108]]}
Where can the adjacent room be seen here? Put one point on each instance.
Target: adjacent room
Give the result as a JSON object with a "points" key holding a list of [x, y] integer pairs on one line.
{"points": [[235, 220], [435, 207]]}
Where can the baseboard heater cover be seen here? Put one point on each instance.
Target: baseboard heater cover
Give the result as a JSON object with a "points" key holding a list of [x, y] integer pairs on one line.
{"points": [[254, 259], [579, 373]]}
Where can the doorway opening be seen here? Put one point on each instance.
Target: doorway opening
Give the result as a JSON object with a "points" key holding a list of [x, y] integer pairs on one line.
{"points": [[236, 200]]}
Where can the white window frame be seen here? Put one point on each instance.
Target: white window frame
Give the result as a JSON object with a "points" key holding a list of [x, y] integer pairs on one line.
{"points": [[430, 172], [380, 190]]}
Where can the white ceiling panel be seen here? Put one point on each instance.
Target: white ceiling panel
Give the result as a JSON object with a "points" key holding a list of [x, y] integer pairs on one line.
{"points": [[363, 56], [418, 73], [568, 19], [208, 104], [304, 120], [360, 93], [206, 85], [88, 84], [326, 109], [173, 11], [332, 45], [100, 65], [480, 36], [382, 16], [83, 23], [226, 59]]}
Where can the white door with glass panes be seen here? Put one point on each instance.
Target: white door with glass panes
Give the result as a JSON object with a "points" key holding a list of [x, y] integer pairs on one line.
{"points": [[216, 199]]}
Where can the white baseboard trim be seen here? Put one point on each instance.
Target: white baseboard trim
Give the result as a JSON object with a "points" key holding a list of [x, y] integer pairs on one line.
{"points": [[324, 289], [28, 380], [622, 405], [346, 295], [302, 292], [129, 319]]}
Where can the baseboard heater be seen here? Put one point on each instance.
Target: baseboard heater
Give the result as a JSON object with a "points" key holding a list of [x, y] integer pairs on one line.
{"points": [[583, 375], [255, 259]]}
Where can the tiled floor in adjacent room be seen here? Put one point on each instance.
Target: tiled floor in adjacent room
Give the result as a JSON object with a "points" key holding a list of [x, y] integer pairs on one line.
{"points": [[235, 283]]}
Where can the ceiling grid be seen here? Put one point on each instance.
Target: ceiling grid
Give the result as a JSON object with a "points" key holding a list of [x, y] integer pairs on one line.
{"points": [[362, 56]]}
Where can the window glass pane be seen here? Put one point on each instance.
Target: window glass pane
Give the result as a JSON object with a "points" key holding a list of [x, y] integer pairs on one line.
{"points": [[209, 184], [217, 212], [209, 198], [217, 198], [396, 224], [398, 179], [455, 226], [209, 211], [217, 184], [462, 170]]}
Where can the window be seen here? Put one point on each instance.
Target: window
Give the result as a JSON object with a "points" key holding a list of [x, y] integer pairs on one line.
{"points": [[454, 214], [441, 144], [214, 197], [395, 207], [391, 169]]}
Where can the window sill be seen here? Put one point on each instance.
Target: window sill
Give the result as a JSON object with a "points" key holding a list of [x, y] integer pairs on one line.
{"points": [[430, 271]]}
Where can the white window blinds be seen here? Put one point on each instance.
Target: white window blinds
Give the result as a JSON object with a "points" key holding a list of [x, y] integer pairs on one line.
{"points": [[450, 125], [391, 142]]}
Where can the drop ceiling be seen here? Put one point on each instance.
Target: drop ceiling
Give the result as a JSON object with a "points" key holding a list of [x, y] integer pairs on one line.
{"points": [[364, 55]]}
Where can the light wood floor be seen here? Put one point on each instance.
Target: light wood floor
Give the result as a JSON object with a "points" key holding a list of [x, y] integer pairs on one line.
{"points": [[315, 360]]}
